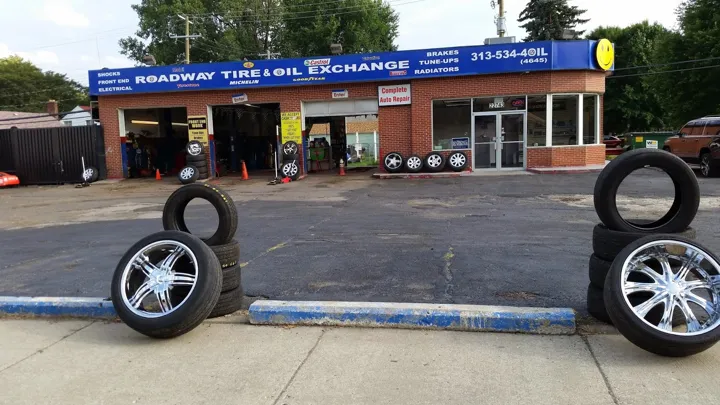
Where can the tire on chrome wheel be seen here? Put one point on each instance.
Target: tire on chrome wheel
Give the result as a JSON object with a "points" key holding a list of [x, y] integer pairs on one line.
{"points": [[413, 164], [434, 162], [393, 162], [662, 293], [166, 284], [457, 161]]}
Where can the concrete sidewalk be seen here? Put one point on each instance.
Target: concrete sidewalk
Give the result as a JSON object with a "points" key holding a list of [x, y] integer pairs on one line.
{"points": [[227, 361]]}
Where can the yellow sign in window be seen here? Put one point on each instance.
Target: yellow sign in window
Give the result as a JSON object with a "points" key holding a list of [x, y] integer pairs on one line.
{"points": [[291, 127]]}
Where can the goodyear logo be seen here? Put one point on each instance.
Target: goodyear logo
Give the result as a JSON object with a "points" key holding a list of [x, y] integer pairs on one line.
{"points": [[248, 65], [317, 62]]}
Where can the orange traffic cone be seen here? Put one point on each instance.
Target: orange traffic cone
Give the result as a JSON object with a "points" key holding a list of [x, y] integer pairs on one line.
{"points": [[342, 167], [157, 174], [244, 171]]}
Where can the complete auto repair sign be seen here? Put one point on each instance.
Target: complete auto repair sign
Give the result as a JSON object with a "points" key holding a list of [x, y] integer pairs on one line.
{"points": [[398, 94]]}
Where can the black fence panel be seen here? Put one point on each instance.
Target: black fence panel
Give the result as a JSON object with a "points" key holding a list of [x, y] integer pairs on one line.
{"points": [[7, 163], [55, 155]]}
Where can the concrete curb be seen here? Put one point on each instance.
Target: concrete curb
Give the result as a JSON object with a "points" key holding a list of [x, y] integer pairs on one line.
{"points": [[550, 321], [57, 307]]}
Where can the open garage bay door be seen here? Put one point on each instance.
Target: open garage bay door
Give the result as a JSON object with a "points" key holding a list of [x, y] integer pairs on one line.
{"points": [[340, 108]]}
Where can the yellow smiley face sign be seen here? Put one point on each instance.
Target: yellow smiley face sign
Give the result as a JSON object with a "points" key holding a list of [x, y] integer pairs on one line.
{"points": [[605, 54]]}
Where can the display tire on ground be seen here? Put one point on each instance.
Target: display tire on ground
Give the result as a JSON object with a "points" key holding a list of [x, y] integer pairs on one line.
{"points": [[637, 290], [457, 161], [434, 162], [229, 302], [195, 159], [413, 164], [596, 304], [188, 175], [194, 148], [607, 243], [174, 211], [90, 175], [228, 254], [291, 158], [291, 170], [393, 162], [166, 284], [598, 270], [231, 278], [289, 148], [687, 192]]}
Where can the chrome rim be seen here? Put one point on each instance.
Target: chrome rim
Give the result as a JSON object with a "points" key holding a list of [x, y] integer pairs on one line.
{"points": [[194, 149], [290, 149], [434, 161], [87, 174], [705, 165], [414, 162], [290, 170], [457, 160], [187, 173], [393, 161], [673, 286], [159, 279]]}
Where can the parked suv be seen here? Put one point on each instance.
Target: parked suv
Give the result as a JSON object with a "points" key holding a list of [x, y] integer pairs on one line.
{"points": [[696, 143]]}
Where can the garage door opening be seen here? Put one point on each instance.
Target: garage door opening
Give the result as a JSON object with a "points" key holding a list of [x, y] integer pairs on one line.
{"points": [[354, 139], [247, 133], [155, 139]]}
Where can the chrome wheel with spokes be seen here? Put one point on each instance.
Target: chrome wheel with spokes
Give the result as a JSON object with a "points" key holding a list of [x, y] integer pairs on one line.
{"points": [[187, 173], [705, 162], [663, 294], [393, 162], [414, 164]]}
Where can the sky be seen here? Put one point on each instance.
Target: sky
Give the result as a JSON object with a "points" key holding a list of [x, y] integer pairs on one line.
{"points": [[74, 36]]}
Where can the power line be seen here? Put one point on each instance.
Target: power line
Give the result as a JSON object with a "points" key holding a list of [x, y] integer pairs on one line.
{"points": [[39, 102], [667, 64], [664, 71], [78, 41]]}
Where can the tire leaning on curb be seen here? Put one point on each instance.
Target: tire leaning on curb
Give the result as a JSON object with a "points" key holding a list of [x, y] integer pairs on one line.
{"points": [[633, 269], [174, 211], [596, 305], [393, 162], [228, 254], [434, 162], [186, 304], [607, 244], [229, 302], [687, 191], [457, 161]]}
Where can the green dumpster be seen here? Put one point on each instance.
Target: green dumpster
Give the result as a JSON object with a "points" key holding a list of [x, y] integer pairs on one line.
{"points": [[650, 140]]}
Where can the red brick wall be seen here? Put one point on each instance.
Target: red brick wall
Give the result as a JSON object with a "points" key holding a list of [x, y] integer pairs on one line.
{"points": [[404, 129], [564, 156]]}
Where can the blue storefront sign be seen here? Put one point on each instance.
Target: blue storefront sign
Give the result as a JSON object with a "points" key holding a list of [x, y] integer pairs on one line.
{"points": [[401, 65], [460, 143]]}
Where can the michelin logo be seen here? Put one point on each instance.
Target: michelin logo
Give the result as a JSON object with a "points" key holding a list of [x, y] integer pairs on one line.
{"points": [[317, 62]]}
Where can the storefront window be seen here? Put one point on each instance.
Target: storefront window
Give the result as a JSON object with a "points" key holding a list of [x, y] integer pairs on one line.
{"points": [[565, 120], [589, 119], [536, 120], [498, 103], [451, 124]]}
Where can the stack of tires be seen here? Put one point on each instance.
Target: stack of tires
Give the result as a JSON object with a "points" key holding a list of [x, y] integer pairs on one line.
{"points": [[195, 164], [433, 162], [650, 279], [290, 161], [169, 282]]}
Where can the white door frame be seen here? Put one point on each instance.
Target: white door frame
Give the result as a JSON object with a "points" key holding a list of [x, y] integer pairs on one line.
{"points": [[498, 138]]}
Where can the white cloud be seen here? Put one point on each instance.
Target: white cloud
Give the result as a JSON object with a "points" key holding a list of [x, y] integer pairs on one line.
{"points": [[61, 13], [118, 61], [42, 59], [86, 58]]}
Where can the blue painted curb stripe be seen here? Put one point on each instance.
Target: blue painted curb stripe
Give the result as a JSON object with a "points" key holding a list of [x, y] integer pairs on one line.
{"points": [[57, 306], [554, 321]]}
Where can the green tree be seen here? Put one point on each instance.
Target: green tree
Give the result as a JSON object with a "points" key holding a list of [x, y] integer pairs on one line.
{"points": [[25, 87], [548, 19], [243, 29], [632, 103], [692, 93]]}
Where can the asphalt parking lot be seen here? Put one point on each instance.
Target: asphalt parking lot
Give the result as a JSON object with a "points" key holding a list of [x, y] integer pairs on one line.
{"points": [[503, 240]]}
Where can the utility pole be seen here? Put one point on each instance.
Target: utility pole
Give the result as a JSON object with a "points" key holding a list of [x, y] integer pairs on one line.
{"points": [[501, 19], [269, 55], [187, 37]]}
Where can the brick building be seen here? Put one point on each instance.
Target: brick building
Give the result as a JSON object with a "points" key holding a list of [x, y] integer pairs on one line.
{"points": [[507, 107]]}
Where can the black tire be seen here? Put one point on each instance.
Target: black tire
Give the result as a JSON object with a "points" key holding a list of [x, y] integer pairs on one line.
{"points": [[200, 165], [194, 148], [598, 270], [231, 278], [289, 148], [290, 158], [393, 162], [708, 167], [90, 175], [608, 244], [188, 174], [204, 176], [638, 331], [174, 211], [291, 170], [596, 305], [190, 159], [229, 302], [687, 191], [413, 164], [198, 305], [457, 161], [434, 162], [228, 254]]}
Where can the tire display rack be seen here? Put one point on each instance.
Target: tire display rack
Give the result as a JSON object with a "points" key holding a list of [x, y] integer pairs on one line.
{"points": [[433, 162]]}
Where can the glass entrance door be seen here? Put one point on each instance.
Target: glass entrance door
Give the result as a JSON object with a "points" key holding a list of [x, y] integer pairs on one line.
{"points": [[499, 140]]}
